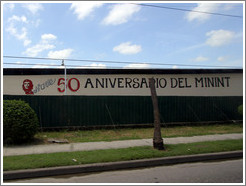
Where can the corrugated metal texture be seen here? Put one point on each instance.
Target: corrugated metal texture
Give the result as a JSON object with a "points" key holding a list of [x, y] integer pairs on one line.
{"points": [[199, 109], [68, 111]]}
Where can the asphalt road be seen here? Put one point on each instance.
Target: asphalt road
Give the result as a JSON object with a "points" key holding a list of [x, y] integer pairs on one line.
{"points": [[230, 171]]}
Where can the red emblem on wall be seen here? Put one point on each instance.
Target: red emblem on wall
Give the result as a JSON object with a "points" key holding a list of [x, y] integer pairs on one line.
{"points": [[27, 86]]}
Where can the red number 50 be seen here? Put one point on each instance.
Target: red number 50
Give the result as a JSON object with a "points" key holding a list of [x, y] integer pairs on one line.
{"points": [[61, 81]]}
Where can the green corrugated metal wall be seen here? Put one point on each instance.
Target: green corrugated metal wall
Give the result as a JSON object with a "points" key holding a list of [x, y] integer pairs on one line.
{"points": [[68, 111]]}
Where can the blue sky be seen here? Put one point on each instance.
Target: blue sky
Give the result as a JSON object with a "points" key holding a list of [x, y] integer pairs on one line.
{"points": [[123, 32]]}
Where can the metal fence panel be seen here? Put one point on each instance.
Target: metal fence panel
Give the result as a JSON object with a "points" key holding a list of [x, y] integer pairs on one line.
{"points": [[80, 111]]}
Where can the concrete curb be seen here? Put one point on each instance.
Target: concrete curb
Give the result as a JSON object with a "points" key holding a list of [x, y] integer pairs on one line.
{"points": [[98, 167]]}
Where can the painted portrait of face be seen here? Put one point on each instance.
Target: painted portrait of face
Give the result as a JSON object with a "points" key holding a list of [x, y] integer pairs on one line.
{"points": [[27, 86]]}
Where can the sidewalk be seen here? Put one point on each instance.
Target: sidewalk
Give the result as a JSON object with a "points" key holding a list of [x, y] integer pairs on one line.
{"points": [[111, 166], [52, 148]]}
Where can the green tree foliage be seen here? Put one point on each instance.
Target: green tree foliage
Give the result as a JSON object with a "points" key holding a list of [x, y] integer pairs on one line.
{"points": [[20, 122], [240, 109]]}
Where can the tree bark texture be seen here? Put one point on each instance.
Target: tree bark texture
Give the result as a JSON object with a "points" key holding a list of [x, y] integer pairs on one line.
{"points": [[157, 139]]}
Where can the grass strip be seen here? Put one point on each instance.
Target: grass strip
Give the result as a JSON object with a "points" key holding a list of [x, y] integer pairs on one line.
{"points": [[112, 155], [139, 133]]}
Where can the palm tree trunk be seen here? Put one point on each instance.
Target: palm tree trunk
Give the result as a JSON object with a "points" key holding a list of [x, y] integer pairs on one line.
{"points": [[157, 139]]}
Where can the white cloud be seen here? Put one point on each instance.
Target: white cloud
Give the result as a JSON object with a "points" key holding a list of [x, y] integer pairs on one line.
{"points": [[100, 65], [48, 37], [33, 7], [93, 65], [60, 54], [18, 18], [219, 37], [44, 44], [83, 9], [175, 67], [20, 34], [120, 13], [222, 58], [127, 48], [36, 49], [27, 42], [36, 23], [200, 59], [13, 31], [51, 65], [137, 65], [23, 35], [202, 7]]}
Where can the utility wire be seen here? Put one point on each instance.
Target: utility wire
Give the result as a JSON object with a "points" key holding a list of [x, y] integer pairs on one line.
{"points": [[53, 65], [187, 10], [110, 62], [33, 64]]}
